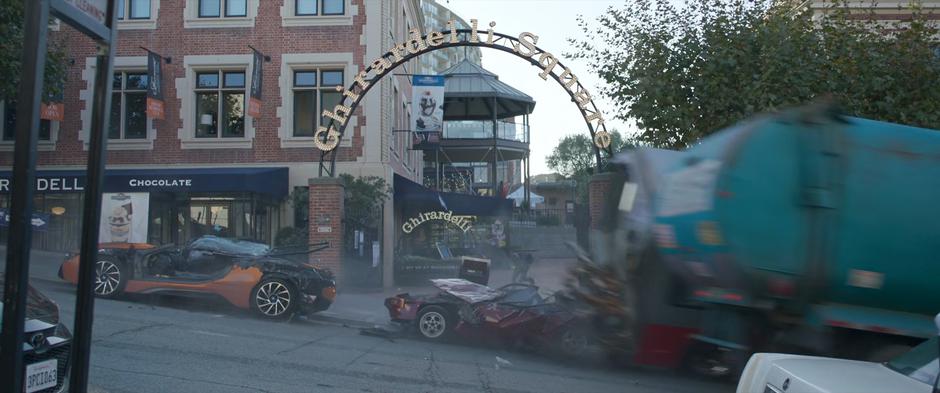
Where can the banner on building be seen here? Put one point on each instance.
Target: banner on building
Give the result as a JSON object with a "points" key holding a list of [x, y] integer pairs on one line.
{"points": [[427, 109], [124, 217], [39, 220], [254, 94], [155, 106], [53, 110]]}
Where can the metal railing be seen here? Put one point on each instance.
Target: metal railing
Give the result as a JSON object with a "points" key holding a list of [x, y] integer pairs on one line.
{"points": [[483, 129], [542, 217]]}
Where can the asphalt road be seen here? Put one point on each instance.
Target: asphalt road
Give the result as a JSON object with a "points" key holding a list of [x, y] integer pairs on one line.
{"points": [[181, 345]]}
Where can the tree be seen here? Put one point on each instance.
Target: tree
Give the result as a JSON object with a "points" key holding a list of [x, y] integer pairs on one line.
{"points": [[362, 204], [683, 72], [11, 53], [574, 154], [574, 158]]}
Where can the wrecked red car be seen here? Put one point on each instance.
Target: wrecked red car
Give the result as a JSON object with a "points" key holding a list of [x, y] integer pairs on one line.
{"points": [[515, 314]]}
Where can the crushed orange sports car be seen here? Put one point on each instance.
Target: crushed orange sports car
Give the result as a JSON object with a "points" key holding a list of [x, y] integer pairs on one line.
{"points": [[247, 274]]}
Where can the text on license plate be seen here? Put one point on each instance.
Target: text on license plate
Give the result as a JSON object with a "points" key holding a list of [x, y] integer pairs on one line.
{"points": [[41, 375]]}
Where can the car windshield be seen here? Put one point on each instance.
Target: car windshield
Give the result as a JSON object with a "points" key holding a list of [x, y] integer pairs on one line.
{"points": [[230, 246], [919, 363]]}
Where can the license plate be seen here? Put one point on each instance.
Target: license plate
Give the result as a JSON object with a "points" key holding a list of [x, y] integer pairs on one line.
{"points": [[41, 375]]}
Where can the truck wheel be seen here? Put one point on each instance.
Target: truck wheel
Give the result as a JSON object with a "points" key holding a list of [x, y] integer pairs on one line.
{"points": [[434, 323]]}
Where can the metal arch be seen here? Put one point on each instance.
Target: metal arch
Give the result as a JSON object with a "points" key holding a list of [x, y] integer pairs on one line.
{"points": [[328, 157]]}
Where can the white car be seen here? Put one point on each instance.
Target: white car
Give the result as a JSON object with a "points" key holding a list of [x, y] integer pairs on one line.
{"points": [[912, 372]]}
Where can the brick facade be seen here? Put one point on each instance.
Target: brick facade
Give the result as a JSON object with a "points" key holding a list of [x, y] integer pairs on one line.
{"points": [[171, 39], [326, 222]]}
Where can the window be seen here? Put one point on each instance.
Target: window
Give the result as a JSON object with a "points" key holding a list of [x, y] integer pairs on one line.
{"points": [[133, 9], [314, 90], [319, 7], [8, 110], [129, 106], [218, 8], [220, 103]]}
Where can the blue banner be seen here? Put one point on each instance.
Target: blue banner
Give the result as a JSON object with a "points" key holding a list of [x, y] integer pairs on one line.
{"points": [[40, 221]]}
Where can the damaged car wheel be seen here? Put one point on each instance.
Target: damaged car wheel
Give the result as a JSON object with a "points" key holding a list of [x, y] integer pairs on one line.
{"points": [[274, 298], [434, 322], [574, 342]]}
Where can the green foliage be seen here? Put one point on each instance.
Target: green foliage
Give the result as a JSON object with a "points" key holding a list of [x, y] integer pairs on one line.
{"points": [[574, 158], [683, 72], [362, 208], [11, 53]]}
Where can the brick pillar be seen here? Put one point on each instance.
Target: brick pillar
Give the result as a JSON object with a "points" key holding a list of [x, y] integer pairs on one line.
{"points": [[326, 222], [598, 194]]}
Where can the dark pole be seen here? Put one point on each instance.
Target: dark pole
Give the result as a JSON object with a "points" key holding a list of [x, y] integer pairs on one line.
{"points": [[19, 239], [97, 148], [495, 132]]}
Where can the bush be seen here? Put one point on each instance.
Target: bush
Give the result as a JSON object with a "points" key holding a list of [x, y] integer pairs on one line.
{"points": [[290, 236]]}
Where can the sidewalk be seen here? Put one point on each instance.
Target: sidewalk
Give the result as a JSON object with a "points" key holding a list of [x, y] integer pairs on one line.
{"points": [[362, 306], [43, 265]]}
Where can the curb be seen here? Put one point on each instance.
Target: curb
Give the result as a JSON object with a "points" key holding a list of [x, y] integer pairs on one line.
{"points": [[346, 322]]}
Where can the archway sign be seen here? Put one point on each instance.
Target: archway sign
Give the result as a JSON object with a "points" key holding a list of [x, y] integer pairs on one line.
{"points": [[327, 137]]}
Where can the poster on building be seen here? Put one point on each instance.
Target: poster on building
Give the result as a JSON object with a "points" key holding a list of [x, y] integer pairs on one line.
{"points": [[427, 109], [254, 94], [53, 108], [155, 107], [124, 217]]}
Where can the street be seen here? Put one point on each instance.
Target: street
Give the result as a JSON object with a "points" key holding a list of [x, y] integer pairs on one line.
{"points": [[172, 344]]}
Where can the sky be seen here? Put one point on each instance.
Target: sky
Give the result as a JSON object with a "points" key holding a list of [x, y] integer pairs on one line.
{"points": [[554, 21]]}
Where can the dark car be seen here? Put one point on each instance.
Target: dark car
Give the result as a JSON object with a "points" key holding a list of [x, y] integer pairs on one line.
{"points": [[515, 314], [247, 274], [47, 344]]}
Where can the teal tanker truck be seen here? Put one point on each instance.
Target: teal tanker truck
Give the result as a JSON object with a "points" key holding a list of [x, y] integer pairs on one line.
{"points": [[803, 231]]}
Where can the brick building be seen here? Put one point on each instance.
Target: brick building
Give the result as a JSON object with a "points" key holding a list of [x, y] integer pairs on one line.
{"points": [[207, 167]]}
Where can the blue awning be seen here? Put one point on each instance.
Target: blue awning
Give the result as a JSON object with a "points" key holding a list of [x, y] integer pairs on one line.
{"points": [[272, 182], [412, 197]]}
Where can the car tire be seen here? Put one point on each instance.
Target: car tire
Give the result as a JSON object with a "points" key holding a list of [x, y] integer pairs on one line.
{"points": [[574, 342], [274, 298], [434, 323], [110, 277]]}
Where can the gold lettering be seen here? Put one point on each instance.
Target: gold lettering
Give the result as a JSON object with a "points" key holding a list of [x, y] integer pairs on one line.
{"points": [[435, 38], [489, 33], [571, 79], [548, 62], [399, 51], [473, 31], [582, 97], [340, 113], [525, 43], [416, 44], [380, 65], [602, 139], [360, 80], [326, 140], [452, 26], [348, 93], [595, 116]]}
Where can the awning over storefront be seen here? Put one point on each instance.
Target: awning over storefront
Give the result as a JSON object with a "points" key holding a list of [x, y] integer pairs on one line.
{"points": [[272, 182], [413, 197]]}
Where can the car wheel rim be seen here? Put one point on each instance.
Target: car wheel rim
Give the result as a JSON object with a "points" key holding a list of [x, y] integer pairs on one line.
{"points": [[273, 298], [574, 343], [107, 277], [432, 324]]}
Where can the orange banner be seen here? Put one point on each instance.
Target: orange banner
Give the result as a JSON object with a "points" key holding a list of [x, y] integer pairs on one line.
{"points": [[54, 111], [155, 108]]}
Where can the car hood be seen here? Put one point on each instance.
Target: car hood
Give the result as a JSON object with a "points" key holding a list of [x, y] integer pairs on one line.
{"points": [[38, 306], [808, 374], [467, 291]]}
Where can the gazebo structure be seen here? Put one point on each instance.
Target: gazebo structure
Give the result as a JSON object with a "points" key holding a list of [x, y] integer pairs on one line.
{"points": [[484, 149]]}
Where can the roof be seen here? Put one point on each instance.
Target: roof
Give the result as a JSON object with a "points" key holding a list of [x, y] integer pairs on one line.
{"points": [[471, 89]]}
